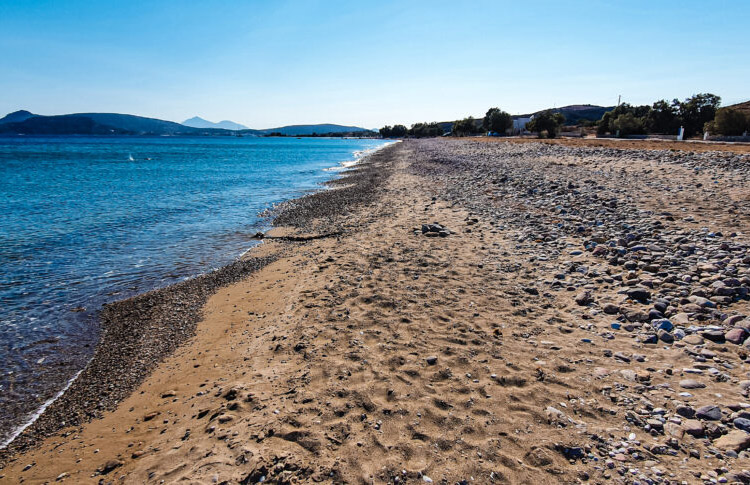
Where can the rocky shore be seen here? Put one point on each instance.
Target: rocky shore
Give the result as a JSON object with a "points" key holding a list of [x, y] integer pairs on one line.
{"points": [[455, 311]]}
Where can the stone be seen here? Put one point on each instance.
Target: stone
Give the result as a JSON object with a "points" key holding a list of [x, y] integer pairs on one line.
{"points": [[736, 440], [611, 309], [714, 336], [693, 427], [736, 336], [742, 423], [685, 411], [691, 384], [674, 430], [431, 360], [640, 294], [109, 466], [584, 298], [693, 339], [665, 337], [709, 412]]}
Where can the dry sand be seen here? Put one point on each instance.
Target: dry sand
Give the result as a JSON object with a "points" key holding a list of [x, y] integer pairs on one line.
{"points": [[382, 355]]}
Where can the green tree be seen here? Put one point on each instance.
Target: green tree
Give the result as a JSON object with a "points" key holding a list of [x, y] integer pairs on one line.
{"points": [[606, 125], [424, 130], [497, 120], [731, 122], [547, 122], [696, 111], [629, 124], [663, 118], [466, 126], [386, 131]]}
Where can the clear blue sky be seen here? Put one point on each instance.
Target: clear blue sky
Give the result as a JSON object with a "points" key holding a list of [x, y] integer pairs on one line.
{"points": [[273, 63]]}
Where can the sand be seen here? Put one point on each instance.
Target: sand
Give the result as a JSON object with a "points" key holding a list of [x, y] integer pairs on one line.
{"points": [[376, 354]]}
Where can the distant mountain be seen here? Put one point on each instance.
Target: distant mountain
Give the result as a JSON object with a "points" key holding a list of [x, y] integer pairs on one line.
{"points": [[302, 130], [25, 123], [198, 122]]}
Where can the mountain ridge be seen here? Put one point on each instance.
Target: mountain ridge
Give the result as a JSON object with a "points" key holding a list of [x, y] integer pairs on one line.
{"points": [[23, 122]]}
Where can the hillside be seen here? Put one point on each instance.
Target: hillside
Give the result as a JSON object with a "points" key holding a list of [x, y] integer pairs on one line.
{"points": [[745, 107], [26, 123], [303, 130], [577, 112], [23, 122]]}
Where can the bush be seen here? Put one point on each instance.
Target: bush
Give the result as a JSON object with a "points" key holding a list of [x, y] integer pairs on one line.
{"points": [[466, 126], [497, 120], [629, 124], [730, 122], [396, 131], [547, 122], [424, 130]]}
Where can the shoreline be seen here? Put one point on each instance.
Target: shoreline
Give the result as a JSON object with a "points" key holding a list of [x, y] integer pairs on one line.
{"points": [[123, 336], [567, 322]]}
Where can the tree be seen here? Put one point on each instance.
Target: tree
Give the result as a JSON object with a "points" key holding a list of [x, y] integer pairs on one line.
{"points": [[395, 131], [663, 118], [546, 121], [606, 125], [466, 126], [423, 130], [696, 111], [629, 124], [497, 120], [731, 122]]}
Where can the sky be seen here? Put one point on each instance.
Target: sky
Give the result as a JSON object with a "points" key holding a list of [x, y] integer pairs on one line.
{"points": [[274, 63]]}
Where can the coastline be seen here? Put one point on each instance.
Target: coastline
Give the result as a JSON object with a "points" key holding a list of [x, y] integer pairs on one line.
{"points": [[145, 329], [507, 349]]}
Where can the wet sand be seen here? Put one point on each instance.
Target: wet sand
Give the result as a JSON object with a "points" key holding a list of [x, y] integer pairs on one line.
{"points": [[379, 350]]}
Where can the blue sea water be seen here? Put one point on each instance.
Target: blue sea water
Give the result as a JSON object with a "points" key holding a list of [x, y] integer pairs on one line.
{"points": [[88, 220]]}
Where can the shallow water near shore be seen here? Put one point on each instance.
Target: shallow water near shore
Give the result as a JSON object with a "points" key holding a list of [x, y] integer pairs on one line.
{"points": [[89, 220]]}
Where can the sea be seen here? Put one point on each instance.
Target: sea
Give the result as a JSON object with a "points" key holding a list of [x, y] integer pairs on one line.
{"points": [[90, 220]]}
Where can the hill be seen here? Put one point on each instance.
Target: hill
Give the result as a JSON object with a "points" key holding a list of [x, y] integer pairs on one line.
{"points": [[577, 112], [17, 117], [305, 130], [745, 107], [198, 122], [23, 122], [26, 123]]}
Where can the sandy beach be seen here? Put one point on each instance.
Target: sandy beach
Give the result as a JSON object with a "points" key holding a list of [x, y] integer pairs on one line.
{"points": [[452, 311]]}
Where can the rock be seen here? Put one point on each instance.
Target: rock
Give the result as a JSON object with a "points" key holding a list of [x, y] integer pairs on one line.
{"points": [[611, 309], [685, 411], [109, 466], [714, 335], [693, 339], [169, 394], [736, 440], [693, 427], [709, 412], [742, 423], [622, 356], [674, 430], [662, 324], [680, 319], [639, 294], [691, 384], [431, 360], [584, 298], [736, 336], [665, 337]]}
